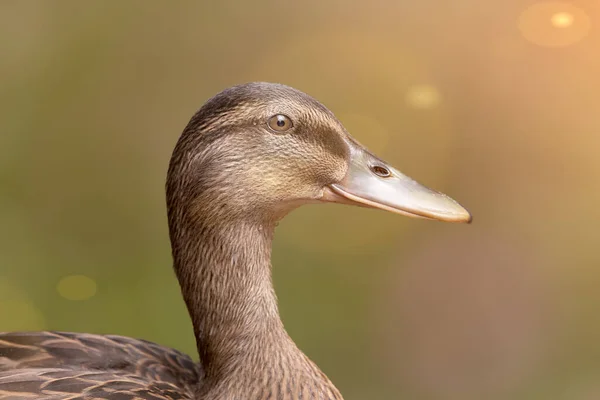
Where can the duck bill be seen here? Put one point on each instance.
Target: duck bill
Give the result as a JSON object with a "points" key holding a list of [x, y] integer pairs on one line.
{"points": [[369, 182]]}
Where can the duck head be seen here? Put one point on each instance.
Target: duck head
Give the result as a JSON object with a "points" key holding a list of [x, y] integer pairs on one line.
{"points": [[259, 150]]}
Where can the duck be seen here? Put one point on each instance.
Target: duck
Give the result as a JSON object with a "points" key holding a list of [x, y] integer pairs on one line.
{"points": [[249, 156]]}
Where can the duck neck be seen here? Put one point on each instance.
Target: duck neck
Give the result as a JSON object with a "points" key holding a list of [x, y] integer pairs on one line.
{"points": [[225, 274], [224, 271]]}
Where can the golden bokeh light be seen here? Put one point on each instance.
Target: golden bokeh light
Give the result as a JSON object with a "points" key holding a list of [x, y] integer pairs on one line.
{"points": [[554, 24], [562, 20], [423, 96], [76, 287]]}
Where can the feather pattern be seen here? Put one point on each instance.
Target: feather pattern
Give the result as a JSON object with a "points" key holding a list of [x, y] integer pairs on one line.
{"points": [[61, 366]]}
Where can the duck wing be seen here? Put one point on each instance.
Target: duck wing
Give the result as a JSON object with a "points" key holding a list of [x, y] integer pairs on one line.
{"points": [[61, 365]]}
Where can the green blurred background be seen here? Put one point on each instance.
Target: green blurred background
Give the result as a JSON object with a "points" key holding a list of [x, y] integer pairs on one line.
{"points": [[495, 103]]}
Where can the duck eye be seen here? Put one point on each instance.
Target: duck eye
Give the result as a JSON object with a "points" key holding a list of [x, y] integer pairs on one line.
{"points": [[280, 123], [381, 171]]}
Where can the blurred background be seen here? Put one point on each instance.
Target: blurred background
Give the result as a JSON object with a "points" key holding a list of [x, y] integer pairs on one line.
{"points": [[495, 103]]}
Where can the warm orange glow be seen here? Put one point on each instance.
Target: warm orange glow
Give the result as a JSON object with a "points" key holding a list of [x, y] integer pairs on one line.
{"points": [[562, 20], [423, 96], [545, 24]]}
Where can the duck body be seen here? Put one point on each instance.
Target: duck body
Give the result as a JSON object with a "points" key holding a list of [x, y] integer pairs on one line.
{"points": [[249, 156], [64, 365]]}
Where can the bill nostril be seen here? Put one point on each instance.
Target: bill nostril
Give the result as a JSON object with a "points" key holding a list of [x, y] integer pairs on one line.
{"points": [[381, 171]]}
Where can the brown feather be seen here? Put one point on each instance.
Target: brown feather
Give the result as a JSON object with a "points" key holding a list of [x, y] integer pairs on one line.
{"points": [[66, 365]]}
